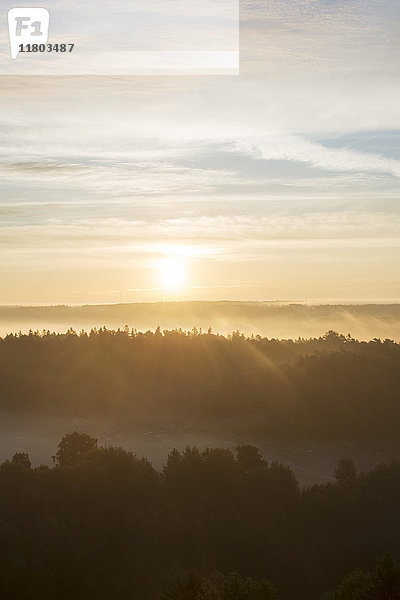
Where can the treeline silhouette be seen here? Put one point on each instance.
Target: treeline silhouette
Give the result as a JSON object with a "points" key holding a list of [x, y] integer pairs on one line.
{"points": [[333, 387], [212, 525]]}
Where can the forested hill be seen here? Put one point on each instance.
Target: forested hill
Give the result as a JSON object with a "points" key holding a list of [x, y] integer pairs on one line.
{"points": [[104, 524], [333, 387]]}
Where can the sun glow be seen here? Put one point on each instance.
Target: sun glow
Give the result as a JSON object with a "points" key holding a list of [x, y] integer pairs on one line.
{"points": [[172, 272]]}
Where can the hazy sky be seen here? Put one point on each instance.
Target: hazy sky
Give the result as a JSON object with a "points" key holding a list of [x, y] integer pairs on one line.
{"points": [[282, 183]]}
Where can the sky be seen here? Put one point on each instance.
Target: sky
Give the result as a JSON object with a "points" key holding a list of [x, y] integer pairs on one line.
{"points": [[281, 183]]}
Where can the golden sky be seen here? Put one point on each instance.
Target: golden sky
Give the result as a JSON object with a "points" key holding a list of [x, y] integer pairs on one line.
{"points": [[281, 183]]}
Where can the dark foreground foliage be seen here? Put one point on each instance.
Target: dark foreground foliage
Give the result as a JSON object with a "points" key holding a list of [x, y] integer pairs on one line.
{"points": [[333, 387], [217, 587], [104, 524], [383, 583]]}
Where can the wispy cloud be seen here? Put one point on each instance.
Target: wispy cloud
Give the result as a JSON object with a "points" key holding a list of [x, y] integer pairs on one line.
{"points": [[296, 148]]}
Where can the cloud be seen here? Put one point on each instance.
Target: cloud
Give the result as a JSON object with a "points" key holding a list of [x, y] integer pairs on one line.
{"points": [[199, 235], [113, 178], [296, 148]]}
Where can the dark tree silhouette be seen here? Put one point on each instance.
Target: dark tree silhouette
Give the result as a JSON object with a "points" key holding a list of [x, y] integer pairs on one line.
{"points": [[382, 584], [248, 456], [345, 471], [73, 447], [22, 458], [103, 523]]}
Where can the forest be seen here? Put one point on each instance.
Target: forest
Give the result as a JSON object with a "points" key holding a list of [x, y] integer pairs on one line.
{"points": [[102, 523], [327, 388]]}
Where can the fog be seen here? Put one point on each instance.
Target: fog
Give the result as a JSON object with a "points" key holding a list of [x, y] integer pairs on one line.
{"points": [[270, 319], [312, 462]]}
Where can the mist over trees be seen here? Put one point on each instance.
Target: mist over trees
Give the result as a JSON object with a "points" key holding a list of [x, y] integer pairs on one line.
{"points": [[272, 319], [211, 525], [332, 387]]}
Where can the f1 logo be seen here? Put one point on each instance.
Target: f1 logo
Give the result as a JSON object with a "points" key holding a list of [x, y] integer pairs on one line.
{"points": [[26, 25]]}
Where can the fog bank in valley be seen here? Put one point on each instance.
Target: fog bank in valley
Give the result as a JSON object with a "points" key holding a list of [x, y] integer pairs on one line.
{"points": [[270, 319]]}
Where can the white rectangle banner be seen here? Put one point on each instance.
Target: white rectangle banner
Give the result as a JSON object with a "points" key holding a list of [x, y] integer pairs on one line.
{"points": [[120, 37]]}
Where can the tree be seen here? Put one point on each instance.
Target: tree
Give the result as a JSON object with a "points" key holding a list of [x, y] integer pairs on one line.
{"points": [[387, 578], [236, 587], [356, 586], [21, 458], [188, 587], [73, 447], [383, 584], [219, 587], [345, 471], [249, 456]]}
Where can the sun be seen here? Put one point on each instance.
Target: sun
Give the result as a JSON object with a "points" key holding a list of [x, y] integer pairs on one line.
{"points": [[172, 272]]}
